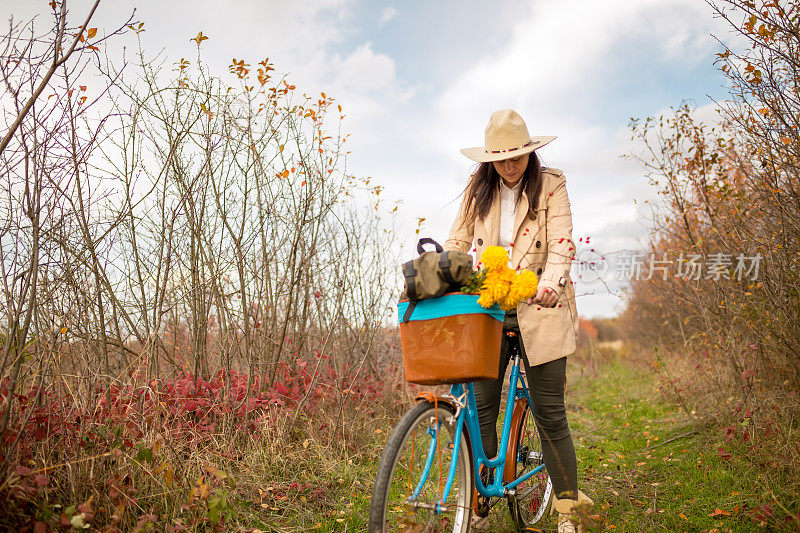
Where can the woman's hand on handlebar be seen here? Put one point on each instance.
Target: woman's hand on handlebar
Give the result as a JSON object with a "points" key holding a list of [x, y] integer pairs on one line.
{"points": [[545, 296]]}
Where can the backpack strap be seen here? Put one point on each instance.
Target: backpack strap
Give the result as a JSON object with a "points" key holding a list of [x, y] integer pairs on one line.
{"points": [[409, 273], [410, 309], [444, 264]]}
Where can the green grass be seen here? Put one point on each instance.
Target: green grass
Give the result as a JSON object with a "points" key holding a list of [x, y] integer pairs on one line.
{"points": [[649, 467], [335, 491]]}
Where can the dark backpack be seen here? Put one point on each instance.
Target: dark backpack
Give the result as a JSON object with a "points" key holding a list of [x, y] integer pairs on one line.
{"points": [[433, 273]]}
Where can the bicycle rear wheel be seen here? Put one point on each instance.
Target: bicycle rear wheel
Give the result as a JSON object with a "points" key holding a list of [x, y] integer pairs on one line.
{"points": [[412, 444], [533, 496]]}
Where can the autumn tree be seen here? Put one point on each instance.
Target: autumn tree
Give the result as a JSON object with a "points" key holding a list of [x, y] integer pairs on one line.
{"points": [[165, 219], [731, 207]]}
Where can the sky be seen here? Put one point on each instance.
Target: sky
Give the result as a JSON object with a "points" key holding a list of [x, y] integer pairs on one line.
{"points": [[418, 81]]}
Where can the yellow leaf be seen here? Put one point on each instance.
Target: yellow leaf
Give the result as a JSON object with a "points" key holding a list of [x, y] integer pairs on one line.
{"points": [[92, 32], [169, 474], [77, 521]]}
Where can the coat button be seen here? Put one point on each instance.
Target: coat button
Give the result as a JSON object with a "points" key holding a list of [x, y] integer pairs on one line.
{"points": [[539, 272], [480, 242], [538, 244]]}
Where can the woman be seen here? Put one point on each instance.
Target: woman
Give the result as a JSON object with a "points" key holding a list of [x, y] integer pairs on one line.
{"points": [[514, 202]]}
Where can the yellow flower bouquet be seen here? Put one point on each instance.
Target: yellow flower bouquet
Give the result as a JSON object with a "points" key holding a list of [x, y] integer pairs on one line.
{"points": [[498, 283]]}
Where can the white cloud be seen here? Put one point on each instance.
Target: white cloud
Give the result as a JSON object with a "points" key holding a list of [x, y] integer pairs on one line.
{"points": [[279, 29], [364, 70], [553, 53], [388, 13]]}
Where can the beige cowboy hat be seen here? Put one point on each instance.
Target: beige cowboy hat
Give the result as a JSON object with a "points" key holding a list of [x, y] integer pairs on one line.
{"points": [[506, 136]]}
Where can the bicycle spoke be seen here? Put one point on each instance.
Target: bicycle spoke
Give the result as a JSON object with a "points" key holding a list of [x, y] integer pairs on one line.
{"points": [[533, 495]]}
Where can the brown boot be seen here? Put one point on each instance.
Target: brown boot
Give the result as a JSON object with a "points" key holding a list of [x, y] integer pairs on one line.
{"points": [[567, 519]]}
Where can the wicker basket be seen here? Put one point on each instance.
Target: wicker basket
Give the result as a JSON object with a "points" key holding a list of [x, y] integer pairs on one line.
{"points": [[451, 339]]}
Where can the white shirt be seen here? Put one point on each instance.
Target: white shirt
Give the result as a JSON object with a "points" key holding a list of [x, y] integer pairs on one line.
{"points": [[508, 214]]}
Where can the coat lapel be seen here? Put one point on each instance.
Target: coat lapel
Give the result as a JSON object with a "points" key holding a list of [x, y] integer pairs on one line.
{"points": [[526, 229], [493, 223], [487, 231], [522, 211]]}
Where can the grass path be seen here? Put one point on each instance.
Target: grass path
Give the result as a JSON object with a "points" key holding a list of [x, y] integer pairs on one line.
{"points": [[646, 465]]}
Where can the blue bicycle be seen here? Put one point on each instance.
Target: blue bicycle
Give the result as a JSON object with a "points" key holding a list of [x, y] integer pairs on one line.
{"points": [[434, 473]]}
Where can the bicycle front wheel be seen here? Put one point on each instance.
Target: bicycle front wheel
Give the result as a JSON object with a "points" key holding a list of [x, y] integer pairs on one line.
{"points": [[424, 436], [533, 496]]}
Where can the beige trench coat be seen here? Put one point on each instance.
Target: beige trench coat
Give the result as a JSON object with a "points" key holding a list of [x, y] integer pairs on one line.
{"points": [[542, 243]]}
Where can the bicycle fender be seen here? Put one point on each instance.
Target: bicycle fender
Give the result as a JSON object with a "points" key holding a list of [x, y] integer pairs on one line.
{"points": [[433, 398]]}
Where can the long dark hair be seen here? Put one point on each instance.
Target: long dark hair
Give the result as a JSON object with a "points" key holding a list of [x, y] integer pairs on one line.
{"points": [[484, 186]]}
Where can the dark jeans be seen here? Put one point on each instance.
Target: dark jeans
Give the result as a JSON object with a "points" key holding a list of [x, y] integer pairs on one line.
{"points": [[546, 385]]}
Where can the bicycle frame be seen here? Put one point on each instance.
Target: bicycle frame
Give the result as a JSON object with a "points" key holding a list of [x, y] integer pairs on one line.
{"points": [[463, 398]]}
